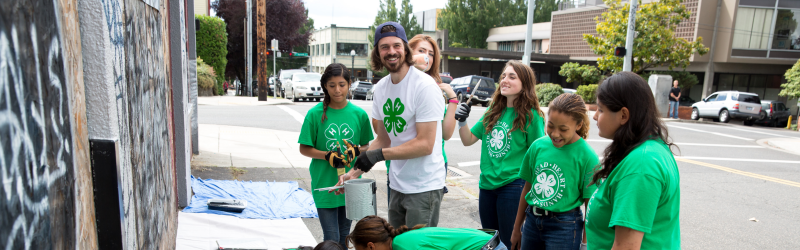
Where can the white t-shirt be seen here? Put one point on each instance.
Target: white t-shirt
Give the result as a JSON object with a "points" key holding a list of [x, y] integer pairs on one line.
{"points": [[401, 106]]}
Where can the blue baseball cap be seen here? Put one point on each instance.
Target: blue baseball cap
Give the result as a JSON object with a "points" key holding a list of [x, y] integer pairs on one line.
{"points": [[399, 32]]}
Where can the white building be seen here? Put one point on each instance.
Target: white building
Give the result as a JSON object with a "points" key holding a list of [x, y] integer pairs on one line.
{"points": [[334, 44]]}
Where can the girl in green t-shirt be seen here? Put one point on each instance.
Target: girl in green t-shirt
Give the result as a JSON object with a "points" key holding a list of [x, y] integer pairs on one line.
{"points": [[557, 170], [637, 201], [507, 129], [375, 233], [328, 129]]}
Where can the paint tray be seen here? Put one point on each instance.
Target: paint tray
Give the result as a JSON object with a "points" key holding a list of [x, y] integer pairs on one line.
{"points": [[229, 205]]}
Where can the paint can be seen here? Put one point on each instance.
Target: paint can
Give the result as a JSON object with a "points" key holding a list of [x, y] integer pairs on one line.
{"points": [[360, 198]]}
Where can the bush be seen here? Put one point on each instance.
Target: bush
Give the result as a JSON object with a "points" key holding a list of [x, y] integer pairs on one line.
{"points": [[206, 77], [212, 45], [546, 92], [685, 79], [582, 74], [587, 92]]}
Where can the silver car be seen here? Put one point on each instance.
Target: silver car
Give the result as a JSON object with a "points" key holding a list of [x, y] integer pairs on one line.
{"points": [[304, 85], [724, 105]]}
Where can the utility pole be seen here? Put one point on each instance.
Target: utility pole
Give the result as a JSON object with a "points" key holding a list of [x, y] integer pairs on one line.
{"points": [[262, 50], [248, 49], [628, 64], [526, 58], [274, 59], [709, 75]]}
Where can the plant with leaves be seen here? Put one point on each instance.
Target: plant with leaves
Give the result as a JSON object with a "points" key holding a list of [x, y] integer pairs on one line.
{"points": [[469, 21], [792, 86], [212, 42], [654, 46], [587, 92], [582, 74], [287, 22], [388, 12], [547, 92], [206, 77], [685, 79]]}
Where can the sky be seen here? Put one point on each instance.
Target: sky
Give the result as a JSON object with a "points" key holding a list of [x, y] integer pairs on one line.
{"points": [[354, 13]]}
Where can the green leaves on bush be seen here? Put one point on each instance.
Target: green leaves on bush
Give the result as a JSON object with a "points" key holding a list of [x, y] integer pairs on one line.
{"points": [[792, 86], [685, 79], [587, 92], [206, 77], [546, 92], [212, 45], [582, 74]]}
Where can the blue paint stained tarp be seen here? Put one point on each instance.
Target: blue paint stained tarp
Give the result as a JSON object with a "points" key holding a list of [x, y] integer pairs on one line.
{"points": [[265, 200]]}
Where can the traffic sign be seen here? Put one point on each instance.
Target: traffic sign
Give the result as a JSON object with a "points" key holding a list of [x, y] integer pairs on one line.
{"points": [[300, 54]]}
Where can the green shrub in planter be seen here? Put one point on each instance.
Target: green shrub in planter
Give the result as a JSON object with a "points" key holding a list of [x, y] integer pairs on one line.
{"points": [[587, 92], [546, 92]]}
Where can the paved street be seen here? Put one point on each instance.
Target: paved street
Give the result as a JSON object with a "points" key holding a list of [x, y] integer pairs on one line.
{"points": [[739, 189]]}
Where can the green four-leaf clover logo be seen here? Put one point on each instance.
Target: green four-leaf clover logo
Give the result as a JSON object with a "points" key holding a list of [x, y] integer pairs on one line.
{"points": [[336, 133], [393, 122]]}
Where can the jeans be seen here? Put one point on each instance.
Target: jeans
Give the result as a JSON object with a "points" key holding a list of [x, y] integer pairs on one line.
{"points": [[554, 231], [413, 209], [335, 225], [673, 109], [498, 208]]}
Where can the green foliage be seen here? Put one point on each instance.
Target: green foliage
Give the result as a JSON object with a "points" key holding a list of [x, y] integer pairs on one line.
{"points": [[655, 45], [388, 12], [459, 45], [543, 10], [206, 77], [212, 41], [685, 79], [792, 86], [547, 92], [587, 92], [582, 74], [469, 21]]}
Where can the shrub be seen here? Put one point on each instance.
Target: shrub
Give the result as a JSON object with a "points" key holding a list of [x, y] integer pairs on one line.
{"points": [[582, 74], [206, 77], [212, 45], [685, 79], [546, 92], [587, 92]]}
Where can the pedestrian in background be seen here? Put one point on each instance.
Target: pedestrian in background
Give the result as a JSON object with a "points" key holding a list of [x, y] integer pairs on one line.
{"points": [[510, 125], [327, 129], [407, 118], [674, 99], [557, 170], [637, 201]]}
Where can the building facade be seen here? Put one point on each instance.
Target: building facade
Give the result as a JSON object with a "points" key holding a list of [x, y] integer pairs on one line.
{"points": [[202, 7], [428, 19], [335, 44], [512, 38], [756, 42]]}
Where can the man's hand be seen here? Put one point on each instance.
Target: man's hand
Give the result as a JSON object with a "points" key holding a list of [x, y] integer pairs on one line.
{"points": [[342, 179], [368, 159]]}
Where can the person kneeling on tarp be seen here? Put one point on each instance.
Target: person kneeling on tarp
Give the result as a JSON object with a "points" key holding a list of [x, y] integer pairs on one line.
{"points": [[375, 233]]}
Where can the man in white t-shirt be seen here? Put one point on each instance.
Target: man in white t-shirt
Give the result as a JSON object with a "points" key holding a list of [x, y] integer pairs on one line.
{"points": [[406, 115]]}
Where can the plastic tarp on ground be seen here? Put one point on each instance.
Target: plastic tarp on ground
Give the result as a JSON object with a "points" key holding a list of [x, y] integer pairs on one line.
{"points": [[265, 200], [202, 231]]}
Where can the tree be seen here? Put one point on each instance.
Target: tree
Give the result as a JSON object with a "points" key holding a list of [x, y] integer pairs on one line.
{"points": [[405, 17], [543, 10], [469, 21], [583, 74], [286, 18], [212, 41], [792, 86], [654, 46]]}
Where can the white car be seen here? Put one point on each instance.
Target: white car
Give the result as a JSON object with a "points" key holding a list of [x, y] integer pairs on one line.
{"points": [[724, 105], [304, 85]]}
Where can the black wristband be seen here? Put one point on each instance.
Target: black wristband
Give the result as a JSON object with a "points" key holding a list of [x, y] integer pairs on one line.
{"points": [[375, 155]]}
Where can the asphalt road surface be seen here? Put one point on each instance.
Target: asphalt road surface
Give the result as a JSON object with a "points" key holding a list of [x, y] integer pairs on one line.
{"points": [[735, 193]]}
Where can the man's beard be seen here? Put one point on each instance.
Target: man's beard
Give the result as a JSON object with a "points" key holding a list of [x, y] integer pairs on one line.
{"points": [[396, 67]]}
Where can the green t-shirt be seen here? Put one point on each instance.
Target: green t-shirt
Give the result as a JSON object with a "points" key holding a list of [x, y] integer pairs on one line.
{"points": [[351, 123], [559, 177], [501, 151], [642, 193], [441, 238]]}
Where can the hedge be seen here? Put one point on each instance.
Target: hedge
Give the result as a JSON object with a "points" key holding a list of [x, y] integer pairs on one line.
{"points": [[587, 92], [212, 46], [546, 92]]}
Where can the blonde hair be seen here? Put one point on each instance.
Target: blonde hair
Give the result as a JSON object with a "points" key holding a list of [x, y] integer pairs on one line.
{"points": [[434, 71]]}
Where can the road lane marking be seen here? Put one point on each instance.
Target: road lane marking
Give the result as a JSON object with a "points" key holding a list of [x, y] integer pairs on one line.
{"points": [[297, 116], [714, 133], [736, 159], [692, 144], [469, 163], [739, 172]]}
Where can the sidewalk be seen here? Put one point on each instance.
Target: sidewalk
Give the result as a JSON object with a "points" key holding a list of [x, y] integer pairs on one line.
{"points": [[232, 100], [788, 145]]}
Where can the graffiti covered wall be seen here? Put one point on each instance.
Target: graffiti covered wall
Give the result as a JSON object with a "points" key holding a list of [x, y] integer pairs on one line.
{"points": [[36, 156]]}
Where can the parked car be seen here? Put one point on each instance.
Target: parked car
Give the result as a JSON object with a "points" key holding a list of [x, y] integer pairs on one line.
{"points": [[773, 113], [304, 85], [446, 79], [353, 87], [284, 76], [571, 91], [369, 94], [686, 101], [271, 82], [361, 90], [724, 105], [463, 87]]}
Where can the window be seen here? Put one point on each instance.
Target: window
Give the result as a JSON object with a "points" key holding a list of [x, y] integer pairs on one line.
{"points": [[749, 98], [781, 107], [505, 46], [752, 28], [343, 49], [787, 32], [722, 97], [711, 98]]}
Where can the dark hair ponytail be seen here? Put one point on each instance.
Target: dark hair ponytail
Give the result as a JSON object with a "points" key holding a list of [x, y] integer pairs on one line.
{"points": [[630, 91], [333, 70], [376, 230], [573, 106]]}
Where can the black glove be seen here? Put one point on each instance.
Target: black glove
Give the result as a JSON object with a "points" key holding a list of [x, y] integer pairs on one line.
{"points": [[336, 160], [462, 112], [367, 160]]}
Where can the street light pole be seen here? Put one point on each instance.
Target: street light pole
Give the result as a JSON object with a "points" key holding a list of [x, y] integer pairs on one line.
{"points": [[352, 64], [628, 64], [526, 58]]}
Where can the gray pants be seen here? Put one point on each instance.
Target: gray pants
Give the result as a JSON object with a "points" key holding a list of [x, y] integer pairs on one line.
{"points": [[413, 209]]}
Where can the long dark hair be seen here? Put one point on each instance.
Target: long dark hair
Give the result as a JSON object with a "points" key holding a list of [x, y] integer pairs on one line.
{"points": [[334, 69], [573, 106], [434, 71], [526, 101], [629, 90], [376, 230]]}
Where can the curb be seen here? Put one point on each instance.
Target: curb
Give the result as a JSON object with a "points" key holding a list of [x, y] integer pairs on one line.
{"points": [[767, 144]]}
